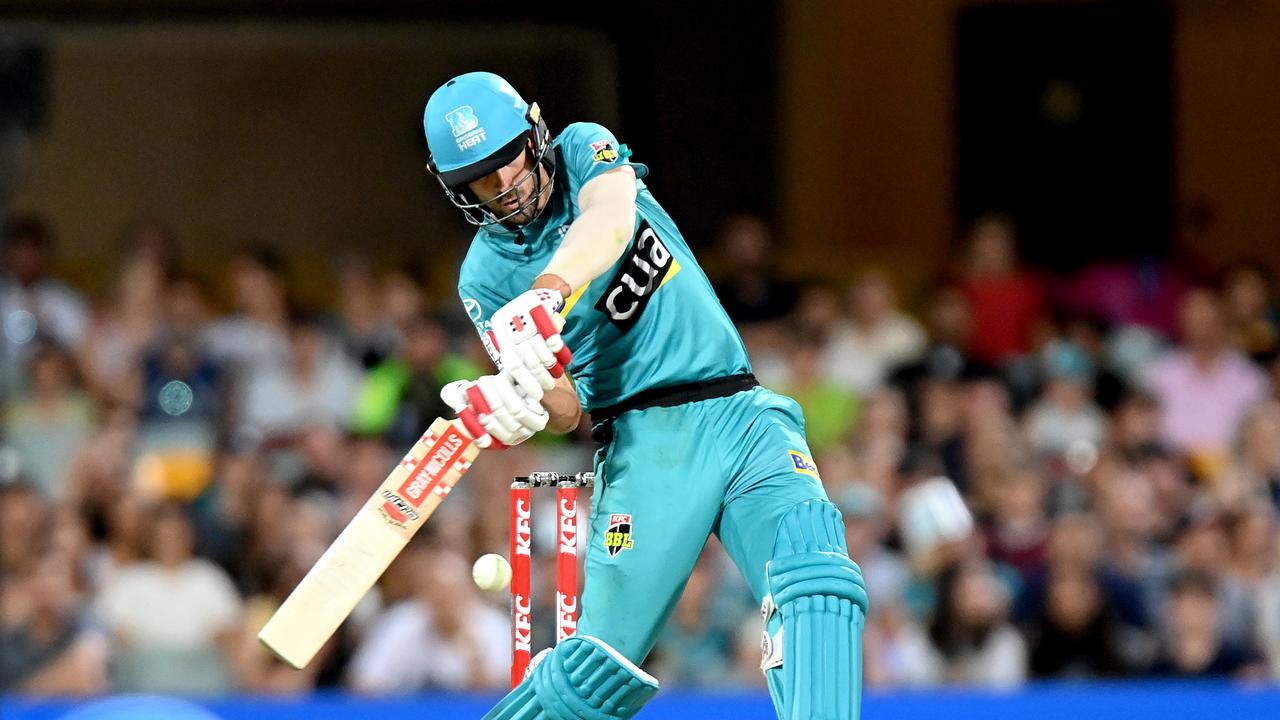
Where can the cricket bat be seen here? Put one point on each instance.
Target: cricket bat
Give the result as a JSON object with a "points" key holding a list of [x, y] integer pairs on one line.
{"points": [[373, 538]]}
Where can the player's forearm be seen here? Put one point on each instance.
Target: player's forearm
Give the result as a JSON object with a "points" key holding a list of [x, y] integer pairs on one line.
{"points": [[561, 403], [595, 241], [599, 236]]}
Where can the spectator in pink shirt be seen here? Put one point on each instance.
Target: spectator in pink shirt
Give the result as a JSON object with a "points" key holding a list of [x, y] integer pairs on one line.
{"points": [[1205, 386]]}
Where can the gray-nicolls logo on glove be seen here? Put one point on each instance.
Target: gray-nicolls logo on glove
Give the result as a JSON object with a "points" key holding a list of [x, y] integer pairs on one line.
{"points": [[506, 408]]}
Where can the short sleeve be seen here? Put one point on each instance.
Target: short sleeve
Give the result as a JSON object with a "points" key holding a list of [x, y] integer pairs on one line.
{"points": [[590, 149]]}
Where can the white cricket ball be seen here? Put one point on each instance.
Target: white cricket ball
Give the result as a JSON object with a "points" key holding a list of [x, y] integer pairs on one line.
{"points": [[491, 572]]}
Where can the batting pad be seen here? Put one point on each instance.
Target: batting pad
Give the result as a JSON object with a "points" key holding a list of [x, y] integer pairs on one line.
{"points": [[581, 679], [822, 599]]}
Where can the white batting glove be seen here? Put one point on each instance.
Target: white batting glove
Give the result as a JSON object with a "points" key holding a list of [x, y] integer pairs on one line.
{"points": [[496, 410], [527, 331]]}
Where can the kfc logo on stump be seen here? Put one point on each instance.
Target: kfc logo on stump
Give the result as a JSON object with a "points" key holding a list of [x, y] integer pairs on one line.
{"points": [[523, 531], [568, 535], [566, 615], [566, 562], [522, 628]]}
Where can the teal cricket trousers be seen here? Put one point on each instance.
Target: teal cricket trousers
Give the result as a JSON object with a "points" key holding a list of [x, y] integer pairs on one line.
{"points": [[668, 478]]}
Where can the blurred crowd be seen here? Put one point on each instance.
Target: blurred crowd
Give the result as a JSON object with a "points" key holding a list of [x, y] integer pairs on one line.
{"points": [[175, 452]]}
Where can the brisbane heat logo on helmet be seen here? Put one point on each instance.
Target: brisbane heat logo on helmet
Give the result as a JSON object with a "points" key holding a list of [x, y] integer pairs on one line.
{"points": [[465, 126], [462, 120]]}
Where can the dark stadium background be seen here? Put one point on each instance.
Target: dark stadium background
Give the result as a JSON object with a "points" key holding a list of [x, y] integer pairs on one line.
{"points": [[1126, 151]]}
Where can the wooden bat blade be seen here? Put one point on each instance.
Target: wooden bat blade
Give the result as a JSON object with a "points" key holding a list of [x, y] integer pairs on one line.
{"points": [[373, 538]]}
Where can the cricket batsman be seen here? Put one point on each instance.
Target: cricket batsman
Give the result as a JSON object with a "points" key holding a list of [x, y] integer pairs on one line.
{"points": [[587, 297]]}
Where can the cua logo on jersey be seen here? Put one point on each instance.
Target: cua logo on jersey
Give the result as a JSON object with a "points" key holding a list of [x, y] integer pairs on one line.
{"points": [[465, 126], [802, 463], [644, 269], [603, 151], [618, 535]]}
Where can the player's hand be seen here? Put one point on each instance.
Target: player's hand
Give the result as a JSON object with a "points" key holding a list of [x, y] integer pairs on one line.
{"points": [[496, 410], [527, 331]]}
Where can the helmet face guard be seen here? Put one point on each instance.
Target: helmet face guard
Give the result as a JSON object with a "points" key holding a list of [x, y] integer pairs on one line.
{"points": [[481, 214]]}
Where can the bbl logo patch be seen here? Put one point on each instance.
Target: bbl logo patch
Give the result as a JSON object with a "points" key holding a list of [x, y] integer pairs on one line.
{"points": [[618, 536], [603, 151], [802, 463]]}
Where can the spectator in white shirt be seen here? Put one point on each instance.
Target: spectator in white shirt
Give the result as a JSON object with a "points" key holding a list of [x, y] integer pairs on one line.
{"points": [[172, 618], [1066, 414], [315, 385], [876, 337], [257, 335], [33, 306], [443, 636], [974, 641]]}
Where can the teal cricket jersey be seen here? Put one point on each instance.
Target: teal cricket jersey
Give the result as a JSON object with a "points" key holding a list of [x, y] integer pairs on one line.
{"points": [[649, 321]]}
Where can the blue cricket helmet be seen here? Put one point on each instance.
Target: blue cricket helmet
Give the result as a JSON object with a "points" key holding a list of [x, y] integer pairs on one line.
{"points": [[475, 124]]}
